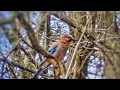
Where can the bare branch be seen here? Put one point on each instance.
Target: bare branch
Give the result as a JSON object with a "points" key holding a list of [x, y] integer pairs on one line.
{"points": [[9, 66], [17, 65], [85, 61], [35, 44], [76, 48], [32, 37], [14, 15]]}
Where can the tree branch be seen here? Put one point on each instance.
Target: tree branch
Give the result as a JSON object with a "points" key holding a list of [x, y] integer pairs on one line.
{"points": [[32, 37], [12, 71], [17, 65], [35, 44], [14, 15], [70, 22], [76, 48]]}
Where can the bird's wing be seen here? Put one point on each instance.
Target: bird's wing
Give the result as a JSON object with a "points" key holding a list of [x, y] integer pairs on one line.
{"points": [[53, 48]]}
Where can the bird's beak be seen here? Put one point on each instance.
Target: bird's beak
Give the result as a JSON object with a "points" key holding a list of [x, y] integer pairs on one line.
{"points": [[73, 40]]}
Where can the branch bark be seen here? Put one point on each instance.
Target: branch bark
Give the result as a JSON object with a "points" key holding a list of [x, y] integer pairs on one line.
{"points": [[32, 37], [35, 44]]}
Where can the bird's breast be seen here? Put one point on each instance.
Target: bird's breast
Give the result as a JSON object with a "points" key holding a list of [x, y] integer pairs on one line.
{"points": [[60, 53]]}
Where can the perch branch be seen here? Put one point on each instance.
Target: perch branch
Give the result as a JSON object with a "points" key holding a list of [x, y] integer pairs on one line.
{"points": [[35, 44]]}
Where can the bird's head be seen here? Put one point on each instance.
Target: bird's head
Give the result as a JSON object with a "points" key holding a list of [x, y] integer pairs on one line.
{"points": [[68, 38]]}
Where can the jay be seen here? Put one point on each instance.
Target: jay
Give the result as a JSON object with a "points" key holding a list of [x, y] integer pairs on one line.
{"points": [[59, 49]]}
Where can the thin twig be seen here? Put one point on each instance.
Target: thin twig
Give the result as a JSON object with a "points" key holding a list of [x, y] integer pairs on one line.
{"points": [[2, 70], [107, 39], [85, 61], [9, 66], [17, 65], [13, 48], [11, 19], [76, 48], [12, 71], [41, 21], [74, 70]]}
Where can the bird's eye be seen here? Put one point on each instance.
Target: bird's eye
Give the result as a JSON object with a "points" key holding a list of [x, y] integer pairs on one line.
{"points": [[69, 40]]}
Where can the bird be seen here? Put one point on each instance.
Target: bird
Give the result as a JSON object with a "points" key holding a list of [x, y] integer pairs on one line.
{"points": [[58, 50]]}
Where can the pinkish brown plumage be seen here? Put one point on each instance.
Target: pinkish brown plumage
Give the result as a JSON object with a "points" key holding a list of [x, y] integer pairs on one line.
{"points": [[61, 47]]}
